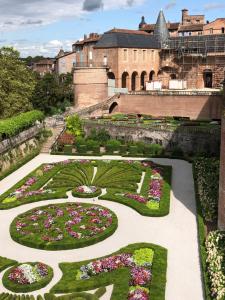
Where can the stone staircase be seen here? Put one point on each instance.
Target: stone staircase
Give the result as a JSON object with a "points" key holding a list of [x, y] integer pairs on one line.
{"points": [[56, 131]]}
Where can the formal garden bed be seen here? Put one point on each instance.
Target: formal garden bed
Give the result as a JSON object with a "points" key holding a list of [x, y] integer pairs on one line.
{"points": [[63, 226], [137, 271], [27, 277], [86, 178]]}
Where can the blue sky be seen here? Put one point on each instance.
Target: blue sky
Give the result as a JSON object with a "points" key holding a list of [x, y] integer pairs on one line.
{"points": [[43, 27]]}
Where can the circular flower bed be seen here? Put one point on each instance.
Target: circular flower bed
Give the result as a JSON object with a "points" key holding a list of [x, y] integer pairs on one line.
{"points": [[86, 191], [27, 277], [63, 226]]}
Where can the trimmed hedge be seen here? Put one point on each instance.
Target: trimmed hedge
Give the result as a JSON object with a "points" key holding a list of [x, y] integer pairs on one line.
{"points": [[5, 263], [202, 238], [26, 288], [13, 126], [119, 278]]}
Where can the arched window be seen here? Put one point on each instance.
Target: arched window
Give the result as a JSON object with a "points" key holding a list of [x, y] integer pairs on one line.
{"points": [[152, 76], [125, 78], [143, 79], [223, 30], [173, 76], [134, 81], [111, 75]]}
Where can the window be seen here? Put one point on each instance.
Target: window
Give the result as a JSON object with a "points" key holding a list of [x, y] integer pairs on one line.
{"points": [[144, 55], [90, 55], [125, 54], [135, 55], [223, 30], [211, 30], [189, 33]]}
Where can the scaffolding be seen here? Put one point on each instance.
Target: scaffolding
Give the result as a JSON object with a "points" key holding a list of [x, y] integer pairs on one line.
{"points": [[191, 56]]}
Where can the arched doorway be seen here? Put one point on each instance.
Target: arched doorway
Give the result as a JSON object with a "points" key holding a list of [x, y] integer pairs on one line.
{"points": [[143, 79], [134, 81], [114, 107], [208, 78], [152, 76], [125, 80]]}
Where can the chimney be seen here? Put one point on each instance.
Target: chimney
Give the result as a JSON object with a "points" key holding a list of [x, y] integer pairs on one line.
{"points": [[185, 14]]}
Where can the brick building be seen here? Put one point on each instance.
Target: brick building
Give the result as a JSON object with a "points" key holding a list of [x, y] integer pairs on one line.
{"points": [[43, 66], [133, 58]]}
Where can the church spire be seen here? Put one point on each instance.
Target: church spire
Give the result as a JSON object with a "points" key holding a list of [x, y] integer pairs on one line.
{"points": [[161, 31]]}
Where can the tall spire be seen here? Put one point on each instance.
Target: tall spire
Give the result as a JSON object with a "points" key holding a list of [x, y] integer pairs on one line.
{"points": [[161, 31]]}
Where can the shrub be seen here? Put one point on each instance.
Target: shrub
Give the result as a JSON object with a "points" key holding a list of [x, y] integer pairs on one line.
{"points": [[75, 125], [123, 149], [67, 149], [13, 126], [92, 145], [82, 148], [141, 146], [102, 136], [66, 139], [133, 149], [113, 145], [177, 152], [207, 180], [153, 150]]}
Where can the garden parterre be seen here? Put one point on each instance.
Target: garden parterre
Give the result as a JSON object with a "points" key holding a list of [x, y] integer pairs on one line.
{"points": [[120, 178]]}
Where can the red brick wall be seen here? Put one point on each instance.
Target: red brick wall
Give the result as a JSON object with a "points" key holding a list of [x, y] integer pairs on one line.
{"points": [[193, 106]]}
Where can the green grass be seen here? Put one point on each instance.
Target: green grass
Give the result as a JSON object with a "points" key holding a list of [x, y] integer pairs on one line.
{"points": [[119, 278], [35, 240], [5, 263], [26, 288]]}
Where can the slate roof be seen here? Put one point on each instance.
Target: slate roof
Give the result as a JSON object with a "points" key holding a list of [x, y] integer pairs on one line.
{"points": [[119, 38]]}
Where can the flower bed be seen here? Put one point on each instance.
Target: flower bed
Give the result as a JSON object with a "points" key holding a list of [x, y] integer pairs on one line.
{"points": [[63, 226], [215, 245], [132, 272], [140, 269], [86, 192], [27, 277]]}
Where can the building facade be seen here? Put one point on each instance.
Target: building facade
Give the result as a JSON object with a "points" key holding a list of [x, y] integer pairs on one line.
{"points": [[133, 59]]}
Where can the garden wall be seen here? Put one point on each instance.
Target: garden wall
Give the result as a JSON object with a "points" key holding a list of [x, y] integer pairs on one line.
{"points": [[190, 140], [193, 105], [19, 147]]}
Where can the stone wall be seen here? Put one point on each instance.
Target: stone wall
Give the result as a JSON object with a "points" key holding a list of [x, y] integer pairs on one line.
{"points": [[189, 139], [17, 148]]}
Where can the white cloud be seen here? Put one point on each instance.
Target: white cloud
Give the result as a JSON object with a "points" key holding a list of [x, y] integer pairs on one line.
{"points": [[49, 49], [16, 14]]}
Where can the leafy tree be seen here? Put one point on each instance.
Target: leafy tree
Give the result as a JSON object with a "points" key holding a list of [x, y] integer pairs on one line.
{"points": [[53, 93], [17, 84], [75, 125]]}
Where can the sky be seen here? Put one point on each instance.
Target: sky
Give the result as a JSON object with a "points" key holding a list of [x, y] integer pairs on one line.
{"points": [[43, 27]]}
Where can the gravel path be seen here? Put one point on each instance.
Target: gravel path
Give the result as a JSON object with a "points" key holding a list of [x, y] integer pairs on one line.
{"points": [[177, 232]]}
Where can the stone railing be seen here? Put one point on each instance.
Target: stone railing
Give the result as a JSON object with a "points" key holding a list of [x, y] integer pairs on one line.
{"points": [[178, 92], [20, 138]]}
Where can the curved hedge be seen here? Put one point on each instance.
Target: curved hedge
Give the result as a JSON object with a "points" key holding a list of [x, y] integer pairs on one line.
{"points": [[26, 288], [13, 126], [68, 242], [85, 195]]}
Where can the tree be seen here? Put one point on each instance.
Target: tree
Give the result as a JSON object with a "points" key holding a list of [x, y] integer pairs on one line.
{"points": [[74, 125], [17, 84], [53, 93]]}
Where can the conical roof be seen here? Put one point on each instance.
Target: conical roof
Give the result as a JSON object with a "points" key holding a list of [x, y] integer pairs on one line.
{"points": [[161, 31]]}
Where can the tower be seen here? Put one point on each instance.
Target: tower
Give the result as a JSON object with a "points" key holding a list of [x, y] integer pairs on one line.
{"points": [[161, 31]]}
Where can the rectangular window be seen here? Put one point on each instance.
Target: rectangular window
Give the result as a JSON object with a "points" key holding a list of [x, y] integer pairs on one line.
{"points": [[144, 55], [125, 54], [135, 55]]}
